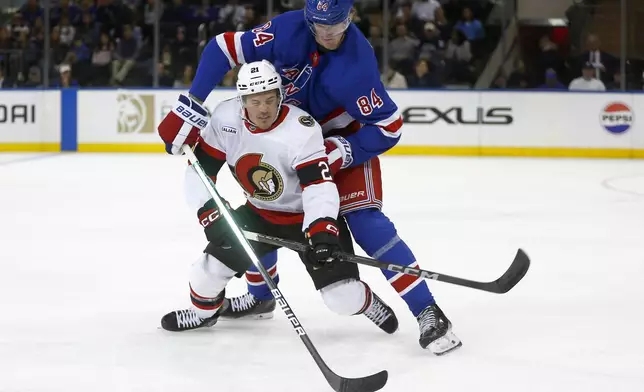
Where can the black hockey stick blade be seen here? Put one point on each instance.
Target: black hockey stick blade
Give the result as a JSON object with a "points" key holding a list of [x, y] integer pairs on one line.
{"points": [[513, 275], [372, 383]]}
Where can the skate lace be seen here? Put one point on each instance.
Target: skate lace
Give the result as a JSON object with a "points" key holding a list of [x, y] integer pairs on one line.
{"points": [[426, 320], [187, 318], [243, 302], [377, 313]]}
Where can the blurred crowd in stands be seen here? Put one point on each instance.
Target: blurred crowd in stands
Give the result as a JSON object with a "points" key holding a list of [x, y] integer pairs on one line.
{"points": [[432, 43]]}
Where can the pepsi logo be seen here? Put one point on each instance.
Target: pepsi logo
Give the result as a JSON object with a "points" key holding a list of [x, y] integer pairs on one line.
{"points": [[617, 117]]}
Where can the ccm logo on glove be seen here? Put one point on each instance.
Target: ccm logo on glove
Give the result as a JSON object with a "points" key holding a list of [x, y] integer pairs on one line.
{"points": [[210, 217]]}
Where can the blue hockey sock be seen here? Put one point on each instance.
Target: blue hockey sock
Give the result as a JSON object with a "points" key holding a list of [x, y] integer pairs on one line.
{"points": [[256, 284], [377, 236]]}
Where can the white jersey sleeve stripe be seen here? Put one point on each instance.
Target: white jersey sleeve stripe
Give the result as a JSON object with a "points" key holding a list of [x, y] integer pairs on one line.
{"points": [[221, 42], [239, 49]]}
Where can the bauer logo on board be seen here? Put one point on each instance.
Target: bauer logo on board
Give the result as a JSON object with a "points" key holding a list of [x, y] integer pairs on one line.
{"points": [[616, 117], [135, 113]]}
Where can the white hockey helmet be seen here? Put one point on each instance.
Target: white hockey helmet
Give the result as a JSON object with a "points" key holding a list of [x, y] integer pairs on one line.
{"points": [[257, 77]]}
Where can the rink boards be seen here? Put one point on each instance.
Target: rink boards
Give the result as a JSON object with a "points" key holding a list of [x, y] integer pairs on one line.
{"points": [[446, 122]]}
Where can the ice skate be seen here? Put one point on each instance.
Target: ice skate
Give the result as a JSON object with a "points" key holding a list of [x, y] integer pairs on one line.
{"points": [[381, 314], [187, 319], [435, 331], [247, 306]]}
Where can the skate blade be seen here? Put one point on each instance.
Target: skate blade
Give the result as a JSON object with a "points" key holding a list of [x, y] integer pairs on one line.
{"points": [[445, 344], [261, 316]]}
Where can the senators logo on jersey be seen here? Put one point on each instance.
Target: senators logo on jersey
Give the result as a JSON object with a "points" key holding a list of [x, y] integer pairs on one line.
{"points": [[259, 179]]}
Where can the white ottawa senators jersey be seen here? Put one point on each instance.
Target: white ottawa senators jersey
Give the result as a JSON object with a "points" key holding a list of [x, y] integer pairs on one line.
{"points": [[283, 170]]}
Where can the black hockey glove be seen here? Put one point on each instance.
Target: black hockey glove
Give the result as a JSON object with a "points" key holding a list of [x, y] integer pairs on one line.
{"points": [[323, 235], [213, 222]]}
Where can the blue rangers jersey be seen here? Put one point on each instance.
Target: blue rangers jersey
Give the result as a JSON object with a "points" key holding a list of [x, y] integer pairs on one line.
{"points": [[341, 89]]}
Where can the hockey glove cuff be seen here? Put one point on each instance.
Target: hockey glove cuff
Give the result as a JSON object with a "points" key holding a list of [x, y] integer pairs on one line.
{"points": [[324, 242], [183, 124], [212, 221], [339, 153]]}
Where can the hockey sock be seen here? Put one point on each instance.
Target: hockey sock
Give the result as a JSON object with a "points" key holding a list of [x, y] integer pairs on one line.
{"points": [[208, 279], [377, 236], [256, 284]]}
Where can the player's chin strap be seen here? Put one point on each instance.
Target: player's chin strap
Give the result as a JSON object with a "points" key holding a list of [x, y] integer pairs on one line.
{"points": [[505, 283], [370, 383]]}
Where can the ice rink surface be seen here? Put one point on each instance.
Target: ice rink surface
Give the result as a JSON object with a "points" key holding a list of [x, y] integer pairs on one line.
{"points": [[95, 249]]}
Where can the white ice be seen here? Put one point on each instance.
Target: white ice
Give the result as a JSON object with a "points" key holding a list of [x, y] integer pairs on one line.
{"points": [[95, 248]]}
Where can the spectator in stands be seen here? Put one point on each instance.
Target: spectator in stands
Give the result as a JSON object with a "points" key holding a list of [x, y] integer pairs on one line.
{"points": [[18, 26], [376, 41], [102, 58], [375, 38], [58, 51], [552, 81], [230, 78], [66, 79], [176, 12], [423, 77], [125, 55], [65, 10], [587, 81], [430, 41], [87, 31], [518, 78], [392, 78], [186, 77], [205, 12], [579, 16], [232, 13], [616, 83], [458, 56], [361, 22], [4, 83], [501, 82], [428, 11], [605, 64], [249, 20], [183, 51], [31, 10], [458, 48], [472, 28], [150, 16], [165, 77], [34, 78], [166, 58], [549, 57], [402, 49]]}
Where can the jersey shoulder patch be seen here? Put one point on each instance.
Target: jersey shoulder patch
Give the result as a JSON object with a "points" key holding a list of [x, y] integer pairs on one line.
{"points": [[307, 121]]}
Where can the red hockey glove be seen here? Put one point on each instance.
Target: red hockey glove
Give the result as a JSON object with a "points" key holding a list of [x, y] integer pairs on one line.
{"points": [[213, 223], [323, 235], [338, 151], [183, 124]]}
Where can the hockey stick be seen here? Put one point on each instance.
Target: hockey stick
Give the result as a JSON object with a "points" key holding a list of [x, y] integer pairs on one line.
{"points": [[370, 383], [505, 283]]}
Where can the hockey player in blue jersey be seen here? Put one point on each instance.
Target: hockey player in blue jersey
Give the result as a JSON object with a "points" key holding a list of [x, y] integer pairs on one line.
{"points": [[329, 69]]}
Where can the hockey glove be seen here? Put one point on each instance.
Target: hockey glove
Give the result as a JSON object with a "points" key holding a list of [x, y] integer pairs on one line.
{"points": [[323, 235], [213, 223], [338, 151], [182, 124]]}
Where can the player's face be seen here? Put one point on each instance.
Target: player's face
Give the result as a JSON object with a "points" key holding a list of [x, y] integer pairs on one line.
{"points": [[262, 108], [329, 36]]}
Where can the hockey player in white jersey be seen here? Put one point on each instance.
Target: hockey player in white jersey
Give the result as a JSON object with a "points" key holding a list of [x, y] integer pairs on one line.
{"points": [[277, 154]]}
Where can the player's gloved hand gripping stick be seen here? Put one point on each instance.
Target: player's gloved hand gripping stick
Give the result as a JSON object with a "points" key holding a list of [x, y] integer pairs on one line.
{"points": [[370, 383]]}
